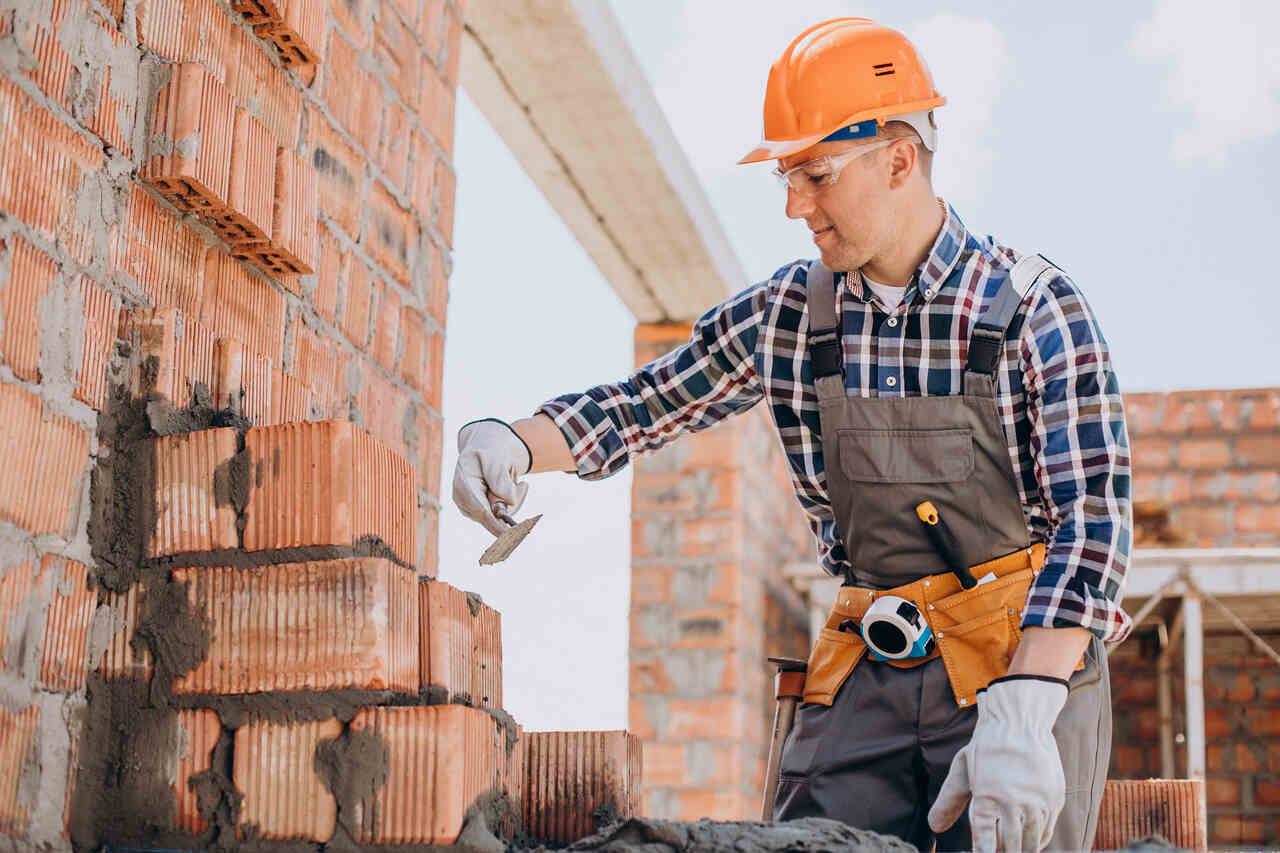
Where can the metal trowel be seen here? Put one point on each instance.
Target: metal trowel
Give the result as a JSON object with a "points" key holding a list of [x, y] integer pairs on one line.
{"points": [[509, 538]]}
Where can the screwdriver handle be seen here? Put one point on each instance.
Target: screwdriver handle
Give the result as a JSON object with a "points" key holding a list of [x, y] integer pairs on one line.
{"points": [[944, 542]]}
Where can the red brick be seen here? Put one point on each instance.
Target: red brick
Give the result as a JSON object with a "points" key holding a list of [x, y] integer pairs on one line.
{"points": [[1152, 454], [46, 453], [17, 741], [44, 164], [361, 117], [651, 584], [718, 805], [64, 661], [259, 87], [292, 250], [275, 770], [386, 332], [242, 305], [400, 57], [101, 320], [1266, 792], [357, 295], [189, 157], [434, 391], [258, 11], [327, 483], [16, 586], [340, 173], [392, 237], [113, 118], [176, 354], [259, 379], [570, 775], [122, 659], [424, 165], [290, 399], [193, 510], [318, 364], [31, 277], [445, 640], [452, 46], [413, 358], [486, 662], [1172, 808], [199, 733], [393, 153], [352, 625], [190, 31], [299, 36], [1222, 791], [445, 183], [441, 759], [161, 255], [1262, 721], [430, 444], [1260, 409], [428, 542], [51, 70], [431, 25], [383, 409], [704, 718], [1204, 453], [250, 191], [228, 373], [1257, 519], [1259, 450], [330, 260], [353, 17], [438, 301], [1203, 524]]}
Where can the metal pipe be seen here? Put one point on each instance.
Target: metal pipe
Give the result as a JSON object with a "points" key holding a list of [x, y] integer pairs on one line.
{"points": [[1193, 650], [1164, 703]]}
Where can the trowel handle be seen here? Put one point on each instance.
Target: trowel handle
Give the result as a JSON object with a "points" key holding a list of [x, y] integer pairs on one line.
{"points": [[500, 511]]}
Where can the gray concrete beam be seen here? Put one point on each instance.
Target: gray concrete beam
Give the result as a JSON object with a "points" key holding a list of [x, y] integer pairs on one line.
{"points": [[560, 85]]}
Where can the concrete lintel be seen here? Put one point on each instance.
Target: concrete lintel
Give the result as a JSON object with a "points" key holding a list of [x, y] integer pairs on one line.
{"points": [[560, 85]]}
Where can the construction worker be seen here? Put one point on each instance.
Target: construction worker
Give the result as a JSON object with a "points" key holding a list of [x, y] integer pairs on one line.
{"points": [[924, 381]]}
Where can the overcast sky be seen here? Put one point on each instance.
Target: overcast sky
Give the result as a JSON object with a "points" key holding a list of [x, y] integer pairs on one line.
{"points": [[1133, 144]]}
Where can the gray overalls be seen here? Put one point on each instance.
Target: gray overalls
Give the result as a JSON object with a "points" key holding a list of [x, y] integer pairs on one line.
{"points": [[876, 757]]}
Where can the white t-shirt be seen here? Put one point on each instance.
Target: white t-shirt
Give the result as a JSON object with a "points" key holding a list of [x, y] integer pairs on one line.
{"points": [[889, 295]]}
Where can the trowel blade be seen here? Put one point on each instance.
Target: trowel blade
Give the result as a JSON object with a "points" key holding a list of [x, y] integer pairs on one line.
{"points": [[507, 541]]}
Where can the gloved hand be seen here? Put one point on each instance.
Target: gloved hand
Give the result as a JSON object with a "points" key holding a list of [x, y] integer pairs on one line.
{"points": [[1010, 766], [490, 457]]}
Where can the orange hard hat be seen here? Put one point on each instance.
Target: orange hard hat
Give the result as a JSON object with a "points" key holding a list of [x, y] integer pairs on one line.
{"points": [[842, 79]]}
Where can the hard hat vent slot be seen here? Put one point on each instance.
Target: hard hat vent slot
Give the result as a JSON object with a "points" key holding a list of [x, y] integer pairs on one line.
{"points": [[884, 69]]}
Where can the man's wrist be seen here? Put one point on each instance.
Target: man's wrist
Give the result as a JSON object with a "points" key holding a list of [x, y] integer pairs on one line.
{"points": [[1049, 651]]}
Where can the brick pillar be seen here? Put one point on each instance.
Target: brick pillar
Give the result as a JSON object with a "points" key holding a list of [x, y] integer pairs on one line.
{"points": [[713, 522]]}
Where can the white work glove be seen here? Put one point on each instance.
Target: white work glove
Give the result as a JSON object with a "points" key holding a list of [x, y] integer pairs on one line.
{"points": [[1010, 766], [490, 458]]}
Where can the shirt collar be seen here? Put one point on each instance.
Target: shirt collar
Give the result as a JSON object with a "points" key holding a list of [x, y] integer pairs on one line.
{"points": [[937, 266]]}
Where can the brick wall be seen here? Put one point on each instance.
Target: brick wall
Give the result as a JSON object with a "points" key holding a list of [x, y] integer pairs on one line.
{"points": [[1242, 732], [1207, 474], [244, 220], [1213, 457], [713, 522]]}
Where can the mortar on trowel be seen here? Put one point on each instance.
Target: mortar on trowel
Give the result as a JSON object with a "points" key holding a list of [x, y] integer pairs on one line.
{"points": [[509, 538]]}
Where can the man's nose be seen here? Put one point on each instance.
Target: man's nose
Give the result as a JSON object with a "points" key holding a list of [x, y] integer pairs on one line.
{"points": [[798, 206]]}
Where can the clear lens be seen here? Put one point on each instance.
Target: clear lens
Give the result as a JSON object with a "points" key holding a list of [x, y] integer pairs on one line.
{"points": [[812, 176]]}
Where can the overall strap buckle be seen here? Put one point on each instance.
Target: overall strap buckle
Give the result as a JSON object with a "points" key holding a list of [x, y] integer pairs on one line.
{"points": [[825, 354]]}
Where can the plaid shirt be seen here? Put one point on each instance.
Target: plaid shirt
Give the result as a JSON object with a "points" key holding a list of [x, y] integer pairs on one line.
{"points": [[1057, 397]]}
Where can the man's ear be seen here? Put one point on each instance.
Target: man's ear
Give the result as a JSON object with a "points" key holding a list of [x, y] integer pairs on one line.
{"points": [[902, 164]]}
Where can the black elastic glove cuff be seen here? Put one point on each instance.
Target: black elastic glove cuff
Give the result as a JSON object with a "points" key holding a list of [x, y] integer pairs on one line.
{"points": [[513, 432], [1028, 676]]}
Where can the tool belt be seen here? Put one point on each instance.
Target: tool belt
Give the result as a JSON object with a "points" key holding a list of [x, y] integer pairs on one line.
{"points": [[976, 630]]}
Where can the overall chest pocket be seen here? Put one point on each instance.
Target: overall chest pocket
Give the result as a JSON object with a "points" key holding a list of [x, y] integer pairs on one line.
{"points": [[907, 455]]}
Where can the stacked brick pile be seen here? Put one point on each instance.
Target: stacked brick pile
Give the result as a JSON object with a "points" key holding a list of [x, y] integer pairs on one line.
{"points": [[224, 248]]}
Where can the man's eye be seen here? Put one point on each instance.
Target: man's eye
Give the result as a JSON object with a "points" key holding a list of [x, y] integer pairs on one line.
{"points": [[819, 178]]}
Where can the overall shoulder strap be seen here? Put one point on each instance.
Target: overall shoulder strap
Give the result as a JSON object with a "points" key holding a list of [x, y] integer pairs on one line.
{"points": [[824, 331], [987, 340]]}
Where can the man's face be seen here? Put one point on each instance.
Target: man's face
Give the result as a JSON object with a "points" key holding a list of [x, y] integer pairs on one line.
{"points": [[850, 219]]}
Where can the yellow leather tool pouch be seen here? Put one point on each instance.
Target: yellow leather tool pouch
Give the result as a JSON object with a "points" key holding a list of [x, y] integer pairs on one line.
{"points": [[976, 630]]}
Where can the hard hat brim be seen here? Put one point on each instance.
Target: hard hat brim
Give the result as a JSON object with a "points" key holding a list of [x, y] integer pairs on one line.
{"points": [[770, 149]]}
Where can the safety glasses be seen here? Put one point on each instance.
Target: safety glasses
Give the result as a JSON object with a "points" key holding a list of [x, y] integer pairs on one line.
{"points": [[812, 176]]}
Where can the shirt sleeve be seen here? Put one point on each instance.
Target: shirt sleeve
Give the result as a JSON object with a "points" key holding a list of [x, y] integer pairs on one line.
{"points": [[1080, 448], [690, 388]]}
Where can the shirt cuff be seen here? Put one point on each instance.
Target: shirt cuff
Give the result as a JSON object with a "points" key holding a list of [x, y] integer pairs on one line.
{"points": [[1056, 601], [598, 451]]}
